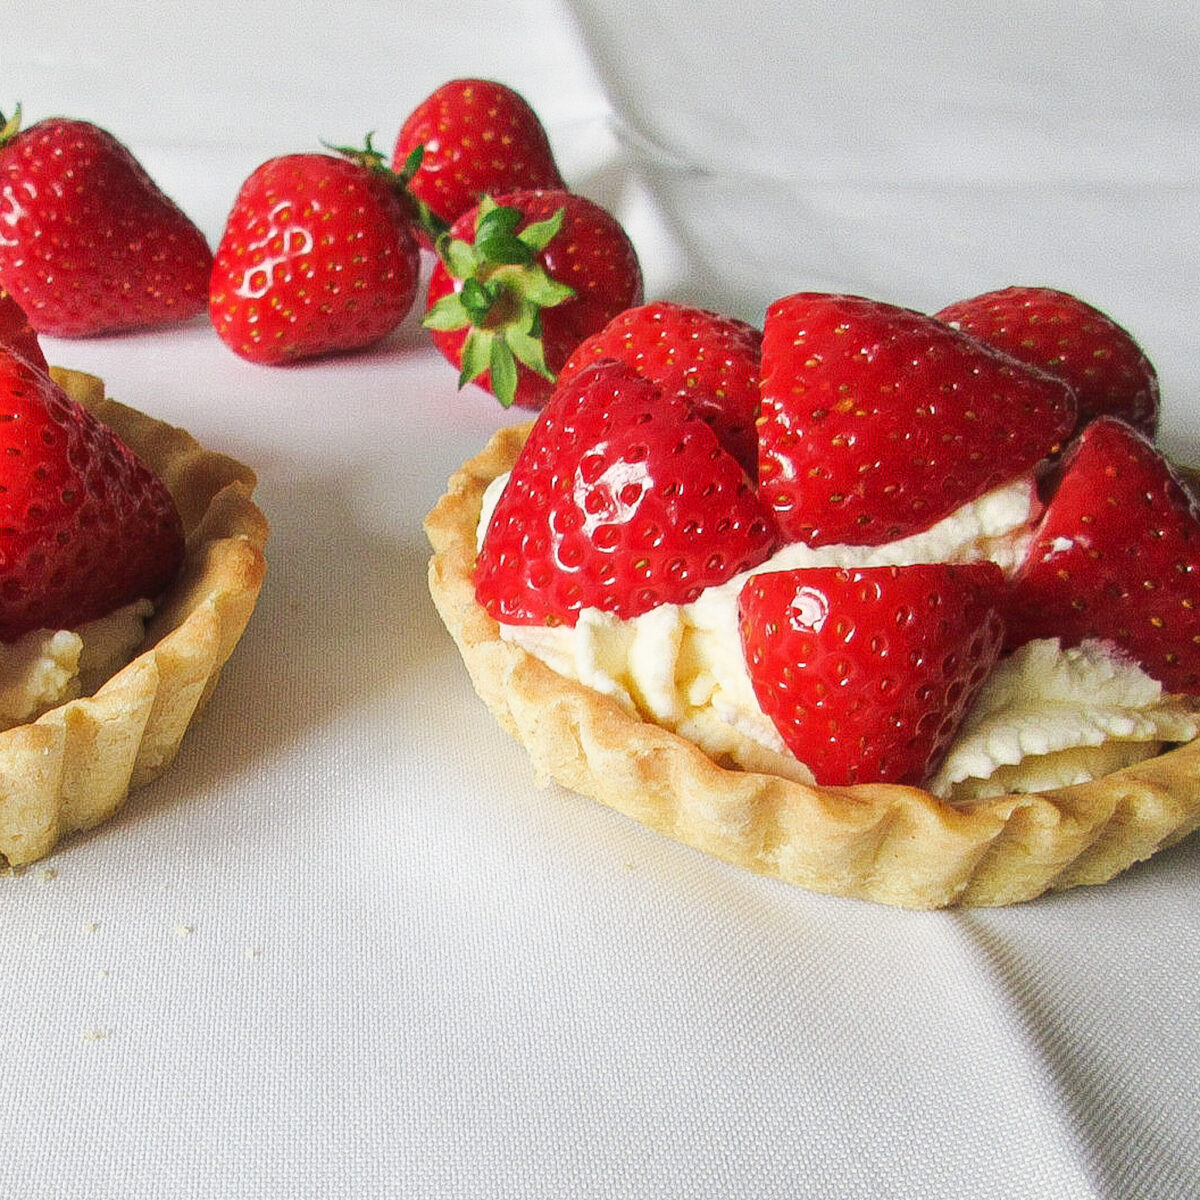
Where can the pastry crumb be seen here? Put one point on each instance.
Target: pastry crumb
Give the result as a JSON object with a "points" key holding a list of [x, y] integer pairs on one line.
{"points": [[46, 874], [184, 930], [95, 1035]]}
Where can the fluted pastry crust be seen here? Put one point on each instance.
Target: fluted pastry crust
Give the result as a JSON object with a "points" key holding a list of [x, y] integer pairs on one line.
{"points": [[75, 765], [892, 844]]}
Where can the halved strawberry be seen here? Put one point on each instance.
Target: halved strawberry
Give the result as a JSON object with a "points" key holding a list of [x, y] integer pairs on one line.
{"points": [[16, 334], [710, 360], [85, 526], [878, 421], [1067, 338], [1116, 557], [868, 672], [621, 501]]}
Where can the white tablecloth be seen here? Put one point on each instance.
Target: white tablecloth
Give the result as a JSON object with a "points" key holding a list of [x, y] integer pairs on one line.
{"points": [[346, 947]]}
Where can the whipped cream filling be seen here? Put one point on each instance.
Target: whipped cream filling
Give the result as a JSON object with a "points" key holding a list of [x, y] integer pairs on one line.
{"points": [[1047, 717], [48, 667]]}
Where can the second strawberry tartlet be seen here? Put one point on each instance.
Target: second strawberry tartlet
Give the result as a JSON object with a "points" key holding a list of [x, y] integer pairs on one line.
{"points": [[930, 519]]}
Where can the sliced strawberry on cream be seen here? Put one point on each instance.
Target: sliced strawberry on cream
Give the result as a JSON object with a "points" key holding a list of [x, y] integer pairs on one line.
{"points": [[1068, 338], [878, 421], [621, 501], [1117, 557], [867, 672], [955, 446]]}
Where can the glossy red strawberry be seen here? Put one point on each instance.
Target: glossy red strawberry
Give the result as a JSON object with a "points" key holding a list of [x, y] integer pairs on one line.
{"points": [[867, 673], [88, 242], [521, 280], [878, 421], [318, 257], [85, 527], [1071, 340], [621, 501], [476, 137], [16, 334], [710, 360], [1117, 557]]}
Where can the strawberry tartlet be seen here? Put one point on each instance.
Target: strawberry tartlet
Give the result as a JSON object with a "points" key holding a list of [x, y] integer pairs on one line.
{"points": [[98, 695], [938, 644]]}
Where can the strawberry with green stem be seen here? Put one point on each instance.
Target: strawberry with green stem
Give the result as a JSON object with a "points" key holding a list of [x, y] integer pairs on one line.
{"points": [[89, 244], [522, 278], [318, 256]]}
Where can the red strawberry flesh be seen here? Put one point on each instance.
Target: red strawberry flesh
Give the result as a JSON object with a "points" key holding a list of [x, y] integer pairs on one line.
{"points": [[711, 361], [878, 421], [85, 526], [16, 334], [868, 672], [619, 501], [1068, 338], [1117, 557]]}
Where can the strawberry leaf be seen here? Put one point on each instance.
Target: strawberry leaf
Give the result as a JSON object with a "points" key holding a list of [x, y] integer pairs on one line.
{"points": [[476, 356], [527, 348], [10, 127], [503, 372], [448, 314], [459, 256], [543, 291], [538, 235], [504, 250], [477, 299]]}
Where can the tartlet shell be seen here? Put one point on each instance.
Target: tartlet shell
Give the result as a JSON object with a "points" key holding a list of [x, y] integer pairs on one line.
{"points": [[894, 845], [74, 766]]}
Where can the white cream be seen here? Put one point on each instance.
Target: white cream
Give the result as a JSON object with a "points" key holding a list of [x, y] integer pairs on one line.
{"points": [[46, 668], [1047, 717]]}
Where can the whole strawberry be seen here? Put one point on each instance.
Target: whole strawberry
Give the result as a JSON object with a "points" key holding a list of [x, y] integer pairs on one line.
{"points": [[867, 673], [318, 257], [88, 242], [16, 334], [620, 500], [1116, 557], [521, 280], [1068, 338], [710, 360], [85, 526], [878, 421], [473, 137]]}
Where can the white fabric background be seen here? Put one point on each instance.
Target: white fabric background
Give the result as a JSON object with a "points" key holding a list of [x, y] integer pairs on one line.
{"points": [[346, 948]]}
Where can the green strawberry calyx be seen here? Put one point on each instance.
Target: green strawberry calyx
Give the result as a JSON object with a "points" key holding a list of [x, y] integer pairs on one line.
{"points": [[9, 127], [503, 290], [368, 157]]}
